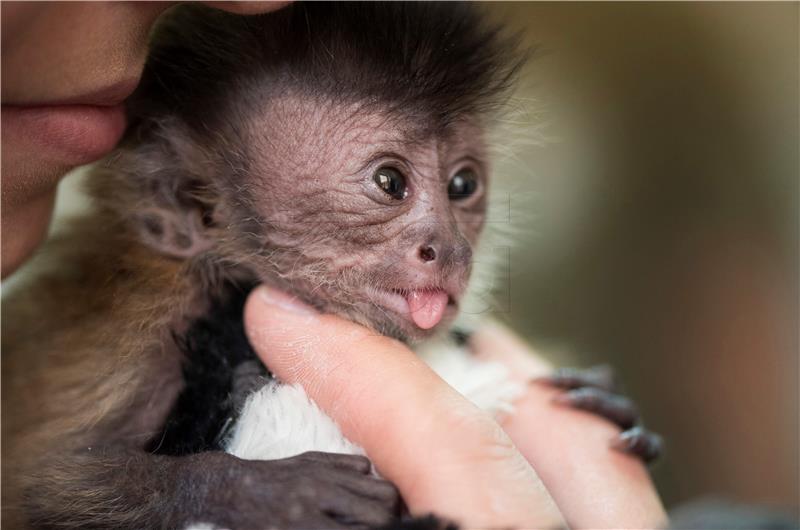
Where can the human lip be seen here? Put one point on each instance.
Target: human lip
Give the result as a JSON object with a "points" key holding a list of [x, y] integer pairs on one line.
{"points": [[72, 131], [70, 134]]}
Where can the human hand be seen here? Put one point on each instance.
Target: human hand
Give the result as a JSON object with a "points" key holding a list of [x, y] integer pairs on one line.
{"points": [[433, 460], [444, 454]]}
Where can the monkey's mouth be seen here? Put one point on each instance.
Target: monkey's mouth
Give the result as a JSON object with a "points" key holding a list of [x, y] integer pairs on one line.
{"points": [[426, 307]]}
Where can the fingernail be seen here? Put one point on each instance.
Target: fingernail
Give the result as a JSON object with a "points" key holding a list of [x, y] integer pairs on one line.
{"points": [[285, 301]]}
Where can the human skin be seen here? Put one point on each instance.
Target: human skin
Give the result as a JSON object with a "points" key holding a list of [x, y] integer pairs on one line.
{"points": [[66, 70], [593, 485], [444, 454]]}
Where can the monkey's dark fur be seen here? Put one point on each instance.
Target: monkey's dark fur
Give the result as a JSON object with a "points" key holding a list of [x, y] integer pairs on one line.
{"points": [[93, 345], [220, 368], [439, 61]]}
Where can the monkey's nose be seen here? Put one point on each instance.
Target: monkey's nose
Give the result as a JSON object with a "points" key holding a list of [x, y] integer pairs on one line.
{"points": [[427, 253]]}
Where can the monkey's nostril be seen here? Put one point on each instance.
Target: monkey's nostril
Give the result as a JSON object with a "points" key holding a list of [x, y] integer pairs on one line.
{"points": [[427, 253]]}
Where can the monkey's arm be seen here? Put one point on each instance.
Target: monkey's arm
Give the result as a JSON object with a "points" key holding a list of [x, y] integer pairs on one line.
{"points": [[111, 487], [87, 386]]}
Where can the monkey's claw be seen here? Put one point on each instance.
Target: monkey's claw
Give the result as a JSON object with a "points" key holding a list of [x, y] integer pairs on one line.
{"points": [[613, 407], [592, 390], [639, 441]]}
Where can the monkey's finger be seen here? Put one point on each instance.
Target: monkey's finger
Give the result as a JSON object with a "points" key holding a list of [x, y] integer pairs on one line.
{"points": [[372, 487], [326, 521], [574, 441], [357, 463], [364, 486], [601, 376], [351, 508], [638, 441], [425, 522], [613, 407]]}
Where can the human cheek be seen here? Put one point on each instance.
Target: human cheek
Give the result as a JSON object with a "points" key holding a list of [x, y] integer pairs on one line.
{"points": [[61, 52]]}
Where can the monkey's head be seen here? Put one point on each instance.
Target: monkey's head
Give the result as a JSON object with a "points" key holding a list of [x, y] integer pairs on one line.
{"points": [[334, 151], [366, 213]]}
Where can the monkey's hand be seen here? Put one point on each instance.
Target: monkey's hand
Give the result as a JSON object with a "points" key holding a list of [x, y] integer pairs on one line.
{"points": [[312, 490], [594, 390]]}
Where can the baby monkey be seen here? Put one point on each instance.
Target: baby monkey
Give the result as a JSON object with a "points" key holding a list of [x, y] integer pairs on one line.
{"points": [[334, 151]]}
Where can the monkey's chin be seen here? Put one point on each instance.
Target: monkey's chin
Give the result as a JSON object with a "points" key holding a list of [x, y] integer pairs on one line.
{"points": [[384, 311], [401, 328], [388, 313]]}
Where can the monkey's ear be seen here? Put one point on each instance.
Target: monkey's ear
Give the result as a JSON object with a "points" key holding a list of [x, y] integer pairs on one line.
{"points": [[179, 233]]}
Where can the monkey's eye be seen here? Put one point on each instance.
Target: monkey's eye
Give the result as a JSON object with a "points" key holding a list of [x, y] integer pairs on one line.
{"points": [[462, 185], [392, 182]]}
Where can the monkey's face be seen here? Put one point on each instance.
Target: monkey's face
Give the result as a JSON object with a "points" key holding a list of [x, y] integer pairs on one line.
{"points": [[367, 215]]}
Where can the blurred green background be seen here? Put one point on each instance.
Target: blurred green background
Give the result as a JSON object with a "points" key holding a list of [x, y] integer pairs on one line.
{"points": [[659, 232]]}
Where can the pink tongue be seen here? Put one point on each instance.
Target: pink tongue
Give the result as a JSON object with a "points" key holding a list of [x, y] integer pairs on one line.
{"points": [[427, 307]]}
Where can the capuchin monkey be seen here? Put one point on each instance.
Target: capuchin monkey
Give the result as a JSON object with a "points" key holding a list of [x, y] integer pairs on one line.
{"points": [[335, 151]]}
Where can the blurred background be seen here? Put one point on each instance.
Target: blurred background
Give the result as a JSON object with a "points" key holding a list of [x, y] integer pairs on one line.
{"points": [[659, 231]]}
